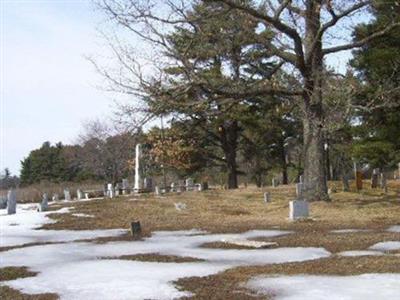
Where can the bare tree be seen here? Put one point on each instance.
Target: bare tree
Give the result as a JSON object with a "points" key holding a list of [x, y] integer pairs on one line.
{"points": [[305, 32]]}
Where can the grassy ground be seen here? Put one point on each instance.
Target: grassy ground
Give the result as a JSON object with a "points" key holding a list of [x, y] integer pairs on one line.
{"points": [[244, 209]]}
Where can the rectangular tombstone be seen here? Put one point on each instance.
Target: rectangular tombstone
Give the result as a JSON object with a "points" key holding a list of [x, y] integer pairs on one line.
{"points": [[79, 194], [189, 184], [298, 209], [267, 197], [374, 178], [148, 184], [274, 182], [110, 190], [44, 205], [301, 178], [3, 202], [67, 195], [125, 186], [11, 202], [205, 186]]}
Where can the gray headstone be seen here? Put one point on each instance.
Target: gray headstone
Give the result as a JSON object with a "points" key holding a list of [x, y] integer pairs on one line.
{"points": [[11, 202], [148, 184], [298, 209], [55, 197], [67, 195], [189, 183], [125, 186], [299, 190], [301, 178], [267, 197], [274, 182], [3, 202], [44, 205]]}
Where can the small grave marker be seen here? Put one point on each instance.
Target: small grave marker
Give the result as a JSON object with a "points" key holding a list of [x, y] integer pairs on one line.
{"points": [[298, 209], [11, 202], [136, 229]]}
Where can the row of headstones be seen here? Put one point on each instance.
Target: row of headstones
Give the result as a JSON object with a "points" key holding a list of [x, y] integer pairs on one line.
{"points": [[187, 185], [377, 178]]}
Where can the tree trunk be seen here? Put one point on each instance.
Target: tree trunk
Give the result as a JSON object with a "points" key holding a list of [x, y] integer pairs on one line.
{"points": [[229, 134], [314, 163], [283, 163]]}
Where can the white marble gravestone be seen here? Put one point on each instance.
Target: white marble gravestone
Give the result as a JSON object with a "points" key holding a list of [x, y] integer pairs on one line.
{"points": [[110, 190], [298, 209], [11, 202], [67, 195], [79, 194], [138, 169]]}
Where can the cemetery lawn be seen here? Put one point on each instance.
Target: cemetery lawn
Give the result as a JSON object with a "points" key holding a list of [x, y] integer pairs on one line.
{"points": [[369, 214]]}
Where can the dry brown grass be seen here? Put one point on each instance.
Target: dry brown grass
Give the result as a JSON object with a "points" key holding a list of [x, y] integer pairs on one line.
{"points": [[11, 273], [155, 257], [243, 209]]}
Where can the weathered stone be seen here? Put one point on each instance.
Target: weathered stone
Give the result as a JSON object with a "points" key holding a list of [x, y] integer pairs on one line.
{"points": [[3, 202], [44, 205], [374, 178], [189, 184], [136, 229], [67, 195], [267, 197], [55, 197], [148, 184], [301, 178], [298, 209], [79, 194], [125, 186], [205, 186], [11, 202], [110, 190], [198, 187], [274, 182]]}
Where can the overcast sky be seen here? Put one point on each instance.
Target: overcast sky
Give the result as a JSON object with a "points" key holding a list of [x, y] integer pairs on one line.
{"points": [[48, 88]]}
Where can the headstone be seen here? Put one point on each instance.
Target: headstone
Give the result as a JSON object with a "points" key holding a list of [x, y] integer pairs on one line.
{"points": [[44, 205], [345, 182], [138, 169], [110, 190], [189, 184], [157, 190], [374, 178], [117, 189], [299, 190], [274, 182], [148, 184], [180, 206], [86, 195], [55, 197], [205, 186], [67, 195], [136, 229], [125, 186], [267, 197], [3, 202], [173, 187], [301, 178], [198, 187], [11, 202], [298, 209], [383, 181], [79, 194], [358, 177]]}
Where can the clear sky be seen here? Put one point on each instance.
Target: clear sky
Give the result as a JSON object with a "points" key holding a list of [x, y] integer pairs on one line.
{"points": [[48, 88]]}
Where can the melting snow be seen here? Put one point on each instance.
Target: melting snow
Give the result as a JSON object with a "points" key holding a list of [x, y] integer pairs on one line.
{"points": [[79, 215], [386, 246], [360, 253], [361, 287], [20, 228], [349, 230], [395, 228]]}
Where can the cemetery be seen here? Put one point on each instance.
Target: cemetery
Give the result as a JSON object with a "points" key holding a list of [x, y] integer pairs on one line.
{"points": [[200, 149]]}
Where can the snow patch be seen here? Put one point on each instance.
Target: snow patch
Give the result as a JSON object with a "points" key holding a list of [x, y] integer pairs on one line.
{"points": [[395, 228], [386, 246], [360, 253], [361, 287], [349, 230], [80, 215]]}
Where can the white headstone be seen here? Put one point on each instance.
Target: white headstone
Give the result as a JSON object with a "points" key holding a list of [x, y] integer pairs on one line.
{"points": [[110, 190], [11, 202], [79, 194], [67, 195], [298, 209], [138, 170]]}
